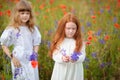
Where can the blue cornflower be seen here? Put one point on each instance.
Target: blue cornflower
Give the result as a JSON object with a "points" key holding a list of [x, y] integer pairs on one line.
{"points": [[33, 56], [75, 56]]}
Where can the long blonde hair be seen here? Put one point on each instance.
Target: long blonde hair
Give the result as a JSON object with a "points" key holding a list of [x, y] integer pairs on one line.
{"points": [[22, 5], [60, 33]]}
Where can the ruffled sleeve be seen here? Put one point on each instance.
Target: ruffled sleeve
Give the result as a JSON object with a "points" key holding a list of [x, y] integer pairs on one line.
{"points": [[7, 37], [57, 56], [36, 37]]}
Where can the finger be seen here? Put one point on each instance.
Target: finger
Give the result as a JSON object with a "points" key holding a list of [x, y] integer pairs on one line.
{"points": [[15, 64], [18, 64]]}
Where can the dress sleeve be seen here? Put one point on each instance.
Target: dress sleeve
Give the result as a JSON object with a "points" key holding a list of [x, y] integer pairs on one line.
{"points": [[57, 56], [7, 37], [36, 37], [83, 54]]}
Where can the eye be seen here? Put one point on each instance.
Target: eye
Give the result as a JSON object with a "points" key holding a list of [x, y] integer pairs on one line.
{"points": [[28, 13], [68, 28], [73, 28], [21, 12]]}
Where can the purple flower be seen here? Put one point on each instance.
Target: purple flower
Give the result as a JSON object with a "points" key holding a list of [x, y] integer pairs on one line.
{"points": [[18, 34], [33, 56], [18, 71], [63, 52], [82, 28], [88, 24], [102, 65], [102, 41], [101, 10], [75, 56], [86, 66], [87, 59], [94, 55], [114, 19], [98, 33], [48, 44]]}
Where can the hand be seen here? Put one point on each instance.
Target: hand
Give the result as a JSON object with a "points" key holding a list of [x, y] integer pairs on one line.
{"points": [[65, 58], [71, 60], [16, 62]]}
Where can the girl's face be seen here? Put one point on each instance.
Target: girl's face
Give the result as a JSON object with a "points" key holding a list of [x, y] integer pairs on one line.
{"points": [[70, 29], [24, 16]]}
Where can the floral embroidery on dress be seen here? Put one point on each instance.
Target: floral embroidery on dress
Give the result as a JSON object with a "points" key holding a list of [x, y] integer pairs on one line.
{"points": [[17, 35], [20, 75], [63, 52]]}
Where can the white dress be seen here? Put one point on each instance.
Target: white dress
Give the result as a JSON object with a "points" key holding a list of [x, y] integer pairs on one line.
{"points": [[68, 71], [23, 42]]}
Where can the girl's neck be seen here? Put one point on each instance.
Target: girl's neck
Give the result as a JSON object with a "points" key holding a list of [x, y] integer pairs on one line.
{"points": [[23, 24], [69, 38]]}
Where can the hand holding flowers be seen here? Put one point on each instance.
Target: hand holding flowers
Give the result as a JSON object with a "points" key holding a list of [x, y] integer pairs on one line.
{"points": [[66, 58], [73, 58], [33, 59]]}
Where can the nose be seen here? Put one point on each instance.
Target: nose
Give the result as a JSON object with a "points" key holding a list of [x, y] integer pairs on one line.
{"points": [[25, 14], [70, 30]]}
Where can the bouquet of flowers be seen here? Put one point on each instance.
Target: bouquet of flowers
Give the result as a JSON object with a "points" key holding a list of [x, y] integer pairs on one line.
{"points": [[75, 56], [33, 59]]}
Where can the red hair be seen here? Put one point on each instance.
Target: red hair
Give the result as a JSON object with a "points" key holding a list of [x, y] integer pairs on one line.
{"points": [[60, 33]]}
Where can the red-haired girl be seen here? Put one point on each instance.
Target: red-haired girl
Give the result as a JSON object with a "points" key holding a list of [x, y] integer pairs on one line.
{"points": [[68, 50]]}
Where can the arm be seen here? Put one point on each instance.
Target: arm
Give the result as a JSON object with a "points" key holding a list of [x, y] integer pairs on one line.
{"points": [[7, 51], [36, 48], [58, 57], [9, 54]]}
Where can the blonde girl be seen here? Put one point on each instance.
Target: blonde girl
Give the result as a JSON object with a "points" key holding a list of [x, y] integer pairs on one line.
{"points": [[25, 38]]}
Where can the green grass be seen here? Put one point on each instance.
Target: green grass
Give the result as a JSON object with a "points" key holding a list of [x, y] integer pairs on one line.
{"points": [[103, 56]]}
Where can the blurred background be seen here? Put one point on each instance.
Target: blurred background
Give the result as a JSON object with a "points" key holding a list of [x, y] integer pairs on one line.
{"points": [[100, 24]]}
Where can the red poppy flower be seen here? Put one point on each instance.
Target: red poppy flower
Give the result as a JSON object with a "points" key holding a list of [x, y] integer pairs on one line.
{"points": [[90, 38], [108, 7], [106, 37], [1, 13], [88, 42], [51, 1], [117, 25], [62, 6], [93, 17], [118, 3], [34, 63], [8, 12], [42, 6], [90, 33], [16, 1]]}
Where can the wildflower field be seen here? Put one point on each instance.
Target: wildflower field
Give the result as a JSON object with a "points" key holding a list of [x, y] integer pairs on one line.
{"points": [[100, 23]]}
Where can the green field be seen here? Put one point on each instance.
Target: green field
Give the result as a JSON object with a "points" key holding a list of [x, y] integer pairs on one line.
{"points": [[100, 23]]}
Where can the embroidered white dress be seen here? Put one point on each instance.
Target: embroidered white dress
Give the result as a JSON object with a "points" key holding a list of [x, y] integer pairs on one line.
{"points": [[23, 42], [68, 71]]}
